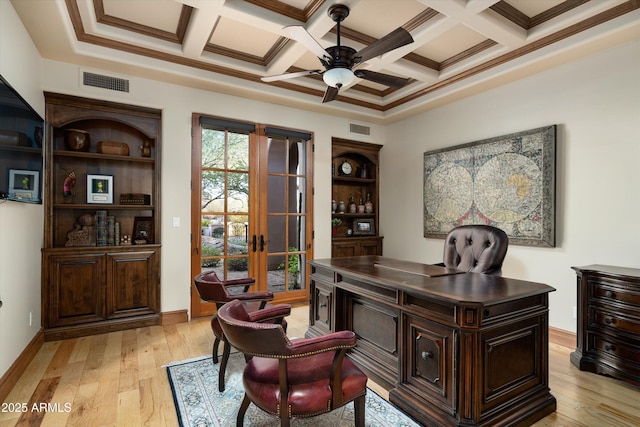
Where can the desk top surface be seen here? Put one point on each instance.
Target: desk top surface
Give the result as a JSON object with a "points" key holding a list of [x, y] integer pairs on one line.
{"points": [[432, 280]]}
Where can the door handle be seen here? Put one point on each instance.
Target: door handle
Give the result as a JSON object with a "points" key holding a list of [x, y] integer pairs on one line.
{"points": [[262, 243], [254, 243]]}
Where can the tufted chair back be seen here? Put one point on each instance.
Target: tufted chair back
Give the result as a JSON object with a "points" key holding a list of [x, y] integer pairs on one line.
{"points": [[476, 249]]}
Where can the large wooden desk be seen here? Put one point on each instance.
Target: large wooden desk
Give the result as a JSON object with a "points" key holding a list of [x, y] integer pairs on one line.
{"points": [[453, 349]]}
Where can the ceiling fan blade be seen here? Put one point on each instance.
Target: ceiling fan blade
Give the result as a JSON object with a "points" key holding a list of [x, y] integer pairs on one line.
{"points": [[302, 36], [383, 79], [289, 75], [395, 39], [330, 94]]}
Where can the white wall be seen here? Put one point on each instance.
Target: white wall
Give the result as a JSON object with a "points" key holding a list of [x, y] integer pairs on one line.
{"points": [[21, 224], [596, 104], [177, 104]]}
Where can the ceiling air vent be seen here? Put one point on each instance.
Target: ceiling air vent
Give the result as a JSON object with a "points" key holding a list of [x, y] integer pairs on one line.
{"points": [[362, 130], [105, 82]]}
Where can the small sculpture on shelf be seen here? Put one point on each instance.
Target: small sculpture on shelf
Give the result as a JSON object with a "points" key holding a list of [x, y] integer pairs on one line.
{"points": [[67, 186], [335, 223], [83, 233], [145, 148]]}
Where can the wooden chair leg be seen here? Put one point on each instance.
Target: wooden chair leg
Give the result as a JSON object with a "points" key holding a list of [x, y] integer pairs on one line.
{"points": [[214, 351], [226, 350], [243, 408], [284, 420], [358, 409]]}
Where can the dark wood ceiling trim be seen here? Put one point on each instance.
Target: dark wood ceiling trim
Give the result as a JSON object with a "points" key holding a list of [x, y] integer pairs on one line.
{"points": [[235, 54], [288, 10], [124, 24], [467, 53], [556, 11], [420, 19], [83, 37], [514, 15], [275, 50], [577, 28]]}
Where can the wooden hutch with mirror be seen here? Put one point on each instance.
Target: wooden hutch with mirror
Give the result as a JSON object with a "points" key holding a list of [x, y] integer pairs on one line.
{"points": [[101, 255], [355, 193]]}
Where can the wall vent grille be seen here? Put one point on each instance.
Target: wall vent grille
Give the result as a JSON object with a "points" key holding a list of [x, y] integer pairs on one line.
{"points": [[105, 82], [362, 130]]}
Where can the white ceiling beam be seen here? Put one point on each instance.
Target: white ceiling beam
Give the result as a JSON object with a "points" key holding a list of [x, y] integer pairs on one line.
{"points": [[201, 25]]}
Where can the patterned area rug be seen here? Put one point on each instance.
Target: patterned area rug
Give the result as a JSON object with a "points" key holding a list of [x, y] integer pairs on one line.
{"points": [[194, 384]]}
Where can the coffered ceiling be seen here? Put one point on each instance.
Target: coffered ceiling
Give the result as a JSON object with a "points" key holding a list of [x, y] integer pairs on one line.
{"points": [[460, 47]]}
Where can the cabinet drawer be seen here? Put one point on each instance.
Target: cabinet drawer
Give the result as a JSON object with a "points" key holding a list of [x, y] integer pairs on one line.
{"points": [[603, 291], [625, 351], [617, 321]]}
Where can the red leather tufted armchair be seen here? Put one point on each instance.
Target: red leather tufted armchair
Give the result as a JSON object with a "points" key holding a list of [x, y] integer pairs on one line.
{"points": [[212, 289], [298, 378], [476, 249]]}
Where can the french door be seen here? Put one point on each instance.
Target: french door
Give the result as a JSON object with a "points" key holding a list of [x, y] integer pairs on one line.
{"points": [[251, 205]]}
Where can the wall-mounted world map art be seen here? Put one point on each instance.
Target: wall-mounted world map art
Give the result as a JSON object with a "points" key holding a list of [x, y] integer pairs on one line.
{"points": [[507, 182]]}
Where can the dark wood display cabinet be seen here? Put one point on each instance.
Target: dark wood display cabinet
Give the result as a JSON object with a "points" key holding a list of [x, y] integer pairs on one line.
{"points": [[102, 167], [355, 178], [609, 322]]}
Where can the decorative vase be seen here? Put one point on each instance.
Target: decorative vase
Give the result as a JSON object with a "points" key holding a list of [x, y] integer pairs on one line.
{"points": [[334, 206], [334, 231], [145, 149], [368, 205], [341, 207]]}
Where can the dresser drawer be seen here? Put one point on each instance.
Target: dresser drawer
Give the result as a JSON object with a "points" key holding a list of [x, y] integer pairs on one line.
{"points": [[601, 317], [626, 351], [604, 291]]}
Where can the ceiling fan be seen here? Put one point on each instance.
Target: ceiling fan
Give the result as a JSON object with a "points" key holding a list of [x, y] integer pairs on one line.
{"points": [[339, 60]]}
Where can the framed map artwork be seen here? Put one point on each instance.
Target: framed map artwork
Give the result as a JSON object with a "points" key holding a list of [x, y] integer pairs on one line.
{"points": [[507, 182]]}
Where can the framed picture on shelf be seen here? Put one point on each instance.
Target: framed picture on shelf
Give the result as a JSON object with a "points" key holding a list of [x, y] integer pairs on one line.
{"points": [[364, 227], [142, 230], [24, 185], [99, 189]]}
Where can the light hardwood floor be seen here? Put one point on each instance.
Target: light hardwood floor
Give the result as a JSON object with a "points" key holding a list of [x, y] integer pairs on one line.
{"points": [[119, 379]]}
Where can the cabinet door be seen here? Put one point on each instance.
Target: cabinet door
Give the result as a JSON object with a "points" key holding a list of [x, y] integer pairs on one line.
{"points": [[75, 292], [370, 247], [131, 283], [344, 249], [429, 366], [322, 308]]}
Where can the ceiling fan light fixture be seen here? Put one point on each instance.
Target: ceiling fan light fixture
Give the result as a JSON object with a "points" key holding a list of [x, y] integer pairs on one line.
{"points": [[338, 77]]}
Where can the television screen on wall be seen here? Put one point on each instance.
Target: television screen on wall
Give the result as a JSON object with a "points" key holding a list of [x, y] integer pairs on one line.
{"points": [[21, 135]]}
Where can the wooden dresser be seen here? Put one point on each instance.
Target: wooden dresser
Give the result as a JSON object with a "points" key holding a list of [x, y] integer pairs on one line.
{"points": [[452, 348], [609, 322]]}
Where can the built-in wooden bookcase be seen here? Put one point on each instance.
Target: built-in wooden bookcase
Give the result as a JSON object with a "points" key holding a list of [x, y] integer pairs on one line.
{"points": [[359, 232], [92, 286]]}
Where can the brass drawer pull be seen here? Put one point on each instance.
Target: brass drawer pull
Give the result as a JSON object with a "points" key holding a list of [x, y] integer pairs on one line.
{"points": [[426, 355], [610, 347], [610, 321], [609, 294]]}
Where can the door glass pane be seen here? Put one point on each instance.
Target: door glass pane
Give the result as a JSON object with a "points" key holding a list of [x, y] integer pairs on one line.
{"points": [[225, 203], [277, 191], [286, 218], [277, 155]]}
